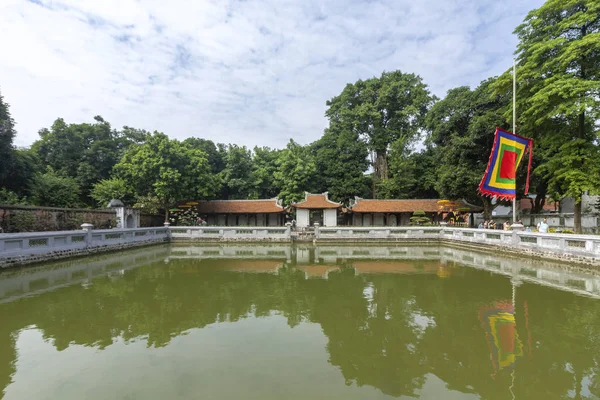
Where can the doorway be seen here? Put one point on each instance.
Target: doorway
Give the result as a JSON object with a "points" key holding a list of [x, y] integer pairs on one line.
{"points": [[315, 216]]}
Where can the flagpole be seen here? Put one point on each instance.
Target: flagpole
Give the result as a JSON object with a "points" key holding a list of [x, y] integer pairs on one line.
{"points": [[514, 124]]}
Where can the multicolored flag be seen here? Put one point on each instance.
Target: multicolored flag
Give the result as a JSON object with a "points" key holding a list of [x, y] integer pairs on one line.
{"points": [[499, 179]]}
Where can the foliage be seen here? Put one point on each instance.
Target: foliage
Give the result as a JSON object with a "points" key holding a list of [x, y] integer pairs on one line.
{"points": [[10, 197], [419, 218], [412, 175], [188, 217], [52, 190], [166, 169], [237, 174], [382, 110], [115, 188], [341, 159], [558, 88], [148, 204], [296, 172], [461, 131], [264, 165], [85, 152], [7, 134]]}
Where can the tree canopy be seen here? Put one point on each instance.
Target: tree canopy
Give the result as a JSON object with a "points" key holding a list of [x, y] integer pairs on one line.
{"points": [[387, 137]]}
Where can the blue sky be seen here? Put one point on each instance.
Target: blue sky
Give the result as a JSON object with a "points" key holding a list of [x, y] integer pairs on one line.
{"points": [[247, 72]]}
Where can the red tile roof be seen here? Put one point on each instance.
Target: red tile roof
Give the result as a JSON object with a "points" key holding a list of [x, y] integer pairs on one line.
{"points": [[393, 267], [239, 206], [317, 271], [254, 266], [549, 205], [400, 206], [316, 201]]}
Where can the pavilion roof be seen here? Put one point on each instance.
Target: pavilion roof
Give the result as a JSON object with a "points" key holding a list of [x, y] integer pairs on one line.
{"points": [[316, 201], [404, 205], [240, 206]]}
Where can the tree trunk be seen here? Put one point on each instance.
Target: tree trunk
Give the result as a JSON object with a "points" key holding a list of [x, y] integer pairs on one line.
{"points": [[540, 199], [487, 208], [381, 165], [380, 170], [166, 214], [577, 215]]}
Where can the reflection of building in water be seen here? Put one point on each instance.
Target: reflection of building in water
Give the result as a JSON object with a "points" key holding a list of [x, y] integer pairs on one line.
{"points": [[317, 271], [255, 266], [395, 267]]}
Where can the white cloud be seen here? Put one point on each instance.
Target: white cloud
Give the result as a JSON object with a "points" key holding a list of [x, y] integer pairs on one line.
{"points": [[247, 72]]}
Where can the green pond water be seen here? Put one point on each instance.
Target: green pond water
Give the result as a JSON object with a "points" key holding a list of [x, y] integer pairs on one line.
{"points": [[299, 322]]}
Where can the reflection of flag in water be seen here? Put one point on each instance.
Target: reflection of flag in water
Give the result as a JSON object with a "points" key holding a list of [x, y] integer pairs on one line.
{"points": [[500, 327], [499, 179]]}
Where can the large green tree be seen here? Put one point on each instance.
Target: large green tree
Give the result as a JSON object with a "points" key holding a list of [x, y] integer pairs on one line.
{"points": [[7, 134], [166, 169], [341, 158], [85, 152], [296, 172], [559, 81], [382, 110], [53, 190], [264, 164], [413, 174], [237, 176], [461, 129]]}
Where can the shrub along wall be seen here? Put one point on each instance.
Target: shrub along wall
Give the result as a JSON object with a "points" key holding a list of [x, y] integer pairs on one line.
{"points": [[39, 219]]}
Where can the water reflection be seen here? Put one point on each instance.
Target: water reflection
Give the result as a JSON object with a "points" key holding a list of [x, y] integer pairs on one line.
{"points": [[397, 324]]}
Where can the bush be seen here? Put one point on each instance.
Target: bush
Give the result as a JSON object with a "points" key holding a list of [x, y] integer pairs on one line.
{"points": [[53, 190], [419, 218]]}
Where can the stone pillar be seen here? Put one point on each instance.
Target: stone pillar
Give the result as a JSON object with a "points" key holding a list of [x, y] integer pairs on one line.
{"points": [[288, 229], [167, 225], [317, 230], [88, 233], [120, 215]]}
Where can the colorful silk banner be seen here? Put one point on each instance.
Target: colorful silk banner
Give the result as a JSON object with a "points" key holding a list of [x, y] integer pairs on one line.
{"points": [[499, 179]]}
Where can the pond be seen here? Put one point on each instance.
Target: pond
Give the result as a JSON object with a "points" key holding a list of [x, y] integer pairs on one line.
{"points": [[299, 322]]}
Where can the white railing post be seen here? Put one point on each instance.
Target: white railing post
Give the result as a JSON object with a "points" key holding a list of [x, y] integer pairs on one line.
{"points": [[88, 233]]}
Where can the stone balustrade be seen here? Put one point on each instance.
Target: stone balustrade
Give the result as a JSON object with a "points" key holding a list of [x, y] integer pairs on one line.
{"points": [[231, 233], [25, 248]]}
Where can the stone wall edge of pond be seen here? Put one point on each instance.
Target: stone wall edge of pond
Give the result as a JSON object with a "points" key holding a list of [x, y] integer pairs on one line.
{"points": [[21, 249]]}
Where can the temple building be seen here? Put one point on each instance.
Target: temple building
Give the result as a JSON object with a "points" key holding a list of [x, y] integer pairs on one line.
{"points": [[367, 212], [268, 212], [316, 208]]}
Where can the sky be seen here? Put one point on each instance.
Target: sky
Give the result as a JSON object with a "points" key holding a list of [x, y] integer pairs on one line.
{"points": [[235, 71]]}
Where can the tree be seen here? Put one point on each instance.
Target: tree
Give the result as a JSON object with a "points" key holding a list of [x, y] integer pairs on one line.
{"points": [[382, 110], [461, 129], [10, 197], [7, 134], [86, 152], [166, 169], [237, 174], [341, 159], [115, 188], [296, 171], [419, 218], [412, 175], [559, 78], [23, 167], [264, 165], [53, 190]]}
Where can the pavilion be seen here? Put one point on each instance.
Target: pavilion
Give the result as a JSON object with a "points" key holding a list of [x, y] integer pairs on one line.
{"points": [[316, 208], [267, 212], [397, 212]]}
